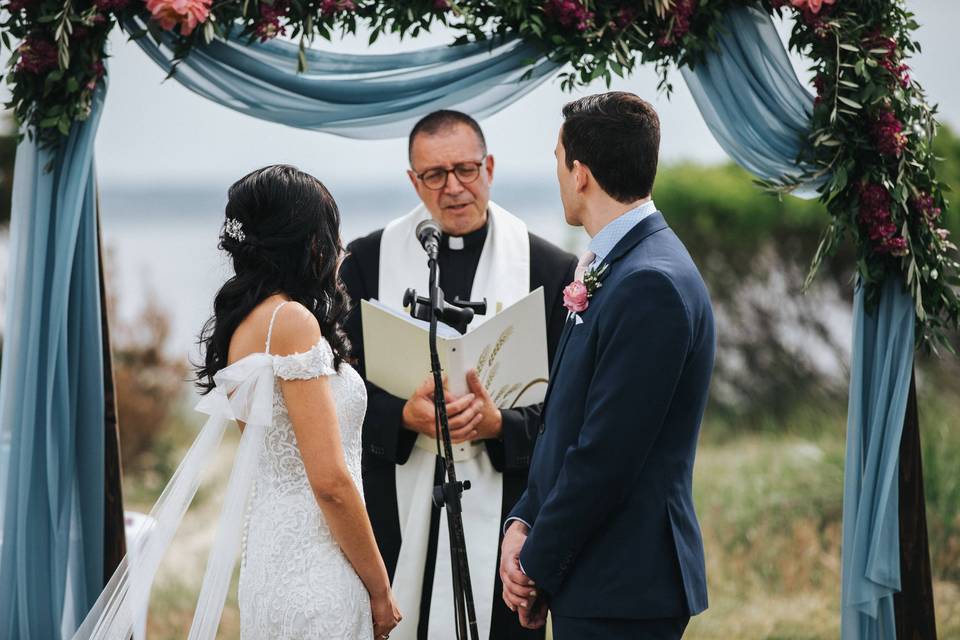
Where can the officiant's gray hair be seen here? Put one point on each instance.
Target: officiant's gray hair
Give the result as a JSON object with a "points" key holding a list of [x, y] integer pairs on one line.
{"points": [[434, 123]]}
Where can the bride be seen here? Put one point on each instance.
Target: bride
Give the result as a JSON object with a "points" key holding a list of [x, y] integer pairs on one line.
{"points": [[276, 363]]}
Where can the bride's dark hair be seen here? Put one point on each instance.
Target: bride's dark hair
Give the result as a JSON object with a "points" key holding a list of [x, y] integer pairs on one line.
{"points": [[282, 231]]}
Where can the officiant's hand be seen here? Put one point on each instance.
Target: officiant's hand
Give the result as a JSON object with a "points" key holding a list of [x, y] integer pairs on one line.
{"points": [[483, 420], [418, 413]]}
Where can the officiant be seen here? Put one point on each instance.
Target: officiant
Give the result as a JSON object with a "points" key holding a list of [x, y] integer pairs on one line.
{"points": [[486, 252]]}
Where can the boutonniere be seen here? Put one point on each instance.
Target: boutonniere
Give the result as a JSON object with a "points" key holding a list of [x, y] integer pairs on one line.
{"points": [[577, 294]]}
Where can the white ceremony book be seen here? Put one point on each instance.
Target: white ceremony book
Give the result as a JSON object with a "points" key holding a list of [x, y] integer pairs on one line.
{"points": [[509, 351]]}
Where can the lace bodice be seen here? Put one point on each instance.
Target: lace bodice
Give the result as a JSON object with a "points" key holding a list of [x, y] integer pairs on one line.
{"points": [[295, 581]]}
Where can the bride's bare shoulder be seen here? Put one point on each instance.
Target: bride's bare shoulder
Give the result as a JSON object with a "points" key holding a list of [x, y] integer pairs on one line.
{"points": [[293, 325], [295, 330]]}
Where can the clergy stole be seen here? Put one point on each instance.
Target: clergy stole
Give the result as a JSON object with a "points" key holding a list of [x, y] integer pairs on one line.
{"points": [[502, 277]]}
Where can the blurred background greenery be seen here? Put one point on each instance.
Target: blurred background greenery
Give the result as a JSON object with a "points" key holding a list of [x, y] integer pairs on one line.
{"points": [[770, 465]]}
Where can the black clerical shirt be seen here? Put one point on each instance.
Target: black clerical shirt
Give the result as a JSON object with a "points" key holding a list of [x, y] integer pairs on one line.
{"points": [[458, 260]]}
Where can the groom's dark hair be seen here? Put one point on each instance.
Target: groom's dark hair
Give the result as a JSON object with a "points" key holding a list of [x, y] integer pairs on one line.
{"points": [[433, 123], [616, 135]]}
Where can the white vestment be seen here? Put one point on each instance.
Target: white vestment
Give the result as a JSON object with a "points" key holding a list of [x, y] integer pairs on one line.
{"points": [[502, 277]]}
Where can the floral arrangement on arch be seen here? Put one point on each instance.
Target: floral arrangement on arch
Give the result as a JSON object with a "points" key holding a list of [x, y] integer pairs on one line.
{"points": [[871, 133]]}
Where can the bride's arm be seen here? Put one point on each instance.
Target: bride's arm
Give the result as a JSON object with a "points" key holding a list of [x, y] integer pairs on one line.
{"points": [[310, 404]]}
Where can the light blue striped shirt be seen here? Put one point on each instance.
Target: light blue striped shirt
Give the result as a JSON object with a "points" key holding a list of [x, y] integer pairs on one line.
{"points": [[608, 237]]}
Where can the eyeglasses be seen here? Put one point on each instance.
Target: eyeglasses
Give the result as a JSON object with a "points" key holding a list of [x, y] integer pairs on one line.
{"points": [[436, 179]]}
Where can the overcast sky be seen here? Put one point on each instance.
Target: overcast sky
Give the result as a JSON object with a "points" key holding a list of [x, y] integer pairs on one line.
{"points": [[158, 132]]}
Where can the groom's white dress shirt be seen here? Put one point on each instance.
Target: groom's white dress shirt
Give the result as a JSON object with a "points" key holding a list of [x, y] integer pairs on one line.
{"points": [[601, 245]]}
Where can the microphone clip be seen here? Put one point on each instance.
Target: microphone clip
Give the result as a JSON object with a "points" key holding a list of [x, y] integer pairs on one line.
{"points": [[456, 314]]}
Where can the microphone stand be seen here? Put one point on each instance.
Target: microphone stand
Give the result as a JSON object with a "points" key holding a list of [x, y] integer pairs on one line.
{"points": [[448, 494]]}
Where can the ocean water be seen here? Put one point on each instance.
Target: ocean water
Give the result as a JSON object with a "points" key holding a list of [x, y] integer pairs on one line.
{"points": [[161, 246]]}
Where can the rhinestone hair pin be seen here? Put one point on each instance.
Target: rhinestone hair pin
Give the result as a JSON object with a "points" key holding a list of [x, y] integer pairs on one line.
{"points": [[234, 229]]}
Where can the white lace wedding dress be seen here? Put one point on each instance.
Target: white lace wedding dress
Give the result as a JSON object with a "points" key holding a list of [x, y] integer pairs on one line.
{"points": [[295, 581]]}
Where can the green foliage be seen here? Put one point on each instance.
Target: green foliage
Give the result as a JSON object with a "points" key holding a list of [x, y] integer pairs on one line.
{"points": [[872, 135], [871, 138]]}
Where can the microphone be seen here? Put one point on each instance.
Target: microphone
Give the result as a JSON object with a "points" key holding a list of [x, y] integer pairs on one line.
{"points": [[428, 233]]}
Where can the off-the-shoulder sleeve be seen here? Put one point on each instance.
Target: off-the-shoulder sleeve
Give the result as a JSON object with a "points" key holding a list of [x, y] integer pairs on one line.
{"points": [[316, 362]]}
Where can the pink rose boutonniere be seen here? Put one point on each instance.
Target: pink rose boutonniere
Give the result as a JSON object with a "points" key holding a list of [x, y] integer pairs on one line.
{"points": [[577, 294]]}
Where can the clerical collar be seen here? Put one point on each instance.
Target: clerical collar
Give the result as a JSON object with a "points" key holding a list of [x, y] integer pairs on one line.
{"points": [[470, 240]]}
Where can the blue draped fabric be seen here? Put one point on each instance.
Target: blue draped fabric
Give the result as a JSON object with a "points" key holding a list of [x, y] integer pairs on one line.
{"points": [[51, 386], [753, 102], [759, 112], [365, 96], [51, 393], [879, 384]]}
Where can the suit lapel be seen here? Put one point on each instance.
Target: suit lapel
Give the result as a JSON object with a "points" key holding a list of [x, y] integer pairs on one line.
{"points": [[564, 336], [648, 226]]}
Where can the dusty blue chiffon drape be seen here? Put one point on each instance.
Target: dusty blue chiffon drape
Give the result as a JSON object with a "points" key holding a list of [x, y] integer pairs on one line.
{"points": [[51, 392], [51, 384]]}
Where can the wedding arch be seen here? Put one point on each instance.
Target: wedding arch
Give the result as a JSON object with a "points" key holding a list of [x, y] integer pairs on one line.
{"points": [[862, 145]]}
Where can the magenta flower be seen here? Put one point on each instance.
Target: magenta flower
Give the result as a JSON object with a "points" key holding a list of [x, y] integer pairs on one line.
{"points": [[896, 246], [37, 55], [111, 5], [926, 205], [679, 22], [887, 134], [571, 14], [14, 6], [268, 26], [875, 216], [333, 7]]}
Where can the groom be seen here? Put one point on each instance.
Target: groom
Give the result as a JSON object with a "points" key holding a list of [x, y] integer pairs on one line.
{"points": [[605, 536]]}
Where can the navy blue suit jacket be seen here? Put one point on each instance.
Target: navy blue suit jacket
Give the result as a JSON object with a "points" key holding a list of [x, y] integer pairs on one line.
{"points": [[609, 496]]}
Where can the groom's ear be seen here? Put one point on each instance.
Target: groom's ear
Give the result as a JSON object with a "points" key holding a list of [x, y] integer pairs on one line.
{"points": [[581, 176]]}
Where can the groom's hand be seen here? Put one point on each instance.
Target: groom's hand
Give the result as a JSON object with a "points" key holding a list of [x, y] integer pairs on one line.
{"points": [[519, 591], [418, 412], [536, 616]]}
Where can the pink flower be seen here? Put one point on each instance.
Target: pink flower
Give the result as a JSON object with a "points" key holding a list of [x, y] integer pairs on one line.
{"points": [[813, 6], [37, 55], [187, 14], [576, 297]]}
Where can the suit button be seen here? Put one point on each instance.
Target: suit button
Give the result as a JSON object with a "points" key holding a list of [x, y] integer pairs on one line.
{"points": [[541, 429]]}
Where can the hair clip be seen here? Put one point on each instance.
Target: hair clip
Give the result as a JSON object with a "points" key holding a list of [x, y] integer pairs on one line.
{"points": [[234, 229]]}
